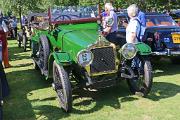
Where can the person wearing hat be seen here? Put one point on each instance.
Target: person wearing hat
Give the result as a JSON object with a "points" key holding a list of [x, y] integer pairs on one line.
{"points": [[3, 39]]}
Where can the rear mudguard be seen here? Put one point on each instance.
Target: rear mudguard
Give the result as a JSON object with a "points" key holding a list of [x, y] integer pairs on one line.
{"points": [[61, 58], [143, 49]]}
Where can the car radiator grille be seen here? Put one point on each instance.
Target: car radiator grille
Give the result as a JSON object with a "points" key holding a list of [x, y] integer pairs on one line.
{"points": [[104, 60]]}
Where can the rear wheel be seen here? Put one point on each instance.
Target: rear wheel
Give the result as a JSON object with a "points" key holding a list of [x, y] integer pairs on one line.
{"points": [[43, 52], [142, 82], [62, 87]]}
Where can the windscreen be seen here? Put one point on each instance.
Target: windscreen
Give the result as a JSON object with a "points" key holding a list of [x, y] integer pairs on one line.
{"points": [[122, 21]]}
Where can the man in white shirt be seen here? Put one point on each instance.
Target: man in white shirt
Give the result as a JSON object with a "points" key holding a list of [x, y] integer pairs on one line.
{"points": [[134, 30]]}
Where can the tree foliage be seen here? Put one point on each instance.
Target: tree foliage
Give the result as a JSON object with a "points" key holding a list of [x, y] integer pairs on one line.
{"points": [[42, 5]]}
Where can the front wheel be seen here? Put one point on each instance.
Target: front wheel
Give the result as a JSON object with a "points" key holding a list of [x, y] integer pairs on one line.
{"points": [[62, 87], [142, 82]]}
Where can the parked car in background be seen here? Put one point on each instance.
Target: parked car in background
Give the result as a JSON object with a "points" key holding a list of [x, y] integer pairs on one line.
{"points": [[162, 34], [69, 49], [24, 35]]}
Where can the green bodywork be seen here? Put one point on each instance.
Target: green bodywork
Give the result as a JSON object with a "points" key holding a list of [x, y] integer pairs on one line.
{"points": [[143, 49], [70, 39], [74, 38], [66, 41]]}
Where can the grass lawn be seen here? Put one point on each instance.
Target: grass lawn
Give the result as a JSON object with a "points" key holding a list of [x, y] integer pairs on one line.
{"points": [[32, 97]]}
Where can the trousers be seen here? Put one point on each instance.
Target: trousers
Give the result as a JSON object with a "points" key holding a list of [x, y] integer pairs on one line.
{"points": [[118, 38]]}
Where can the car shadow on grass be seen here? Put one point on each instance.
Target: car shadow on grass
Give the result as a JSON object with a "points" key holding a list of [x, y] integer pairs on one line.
{"points": [[86, 102], [163, 90]]}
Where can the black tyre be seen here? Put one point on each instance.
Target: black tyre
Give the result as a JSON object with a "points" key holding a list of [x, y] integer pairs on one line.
{"points": [[24, 42], [62, 87], [141, 84], [44, 52]]}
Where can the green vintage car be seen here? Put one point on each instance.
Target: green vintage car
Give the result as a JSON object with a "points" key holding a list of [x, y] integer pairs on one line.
{"points": [[70, 49]]}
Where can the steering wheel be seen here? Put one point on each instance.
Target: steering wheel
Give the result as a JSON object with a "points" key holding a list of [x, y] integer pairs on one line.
{"points": [[62, 17]]}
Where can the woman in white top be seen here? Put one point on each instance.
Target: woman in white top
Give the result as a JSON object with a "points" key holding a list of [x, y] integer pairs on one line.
{"points": [[134, 30]]}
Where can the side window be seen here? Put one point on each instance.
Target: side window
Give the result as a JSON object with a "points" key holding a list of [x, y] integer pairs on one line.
{"points": [[122, 21], [149, 22]]}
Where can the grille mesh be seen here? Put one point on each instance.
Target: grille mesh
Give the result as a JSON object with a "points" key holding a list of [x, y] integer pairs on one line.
{"points": [[104, 60]]}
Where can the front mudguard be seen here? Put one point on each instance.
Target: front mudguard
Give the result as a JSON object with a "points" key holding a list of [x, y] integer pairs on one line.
{"points": [[61, 58], [143, 49]]}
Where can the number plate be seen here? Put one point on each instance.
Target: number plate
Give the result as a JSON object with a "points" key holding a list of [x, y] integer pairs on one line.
{"points": [[176, 38]]}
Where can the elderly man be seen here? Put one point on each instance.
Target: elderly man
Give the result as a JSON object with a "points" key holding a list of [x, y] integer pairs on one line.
{"points": [[134, 30], [110, 23], [3, 32]]}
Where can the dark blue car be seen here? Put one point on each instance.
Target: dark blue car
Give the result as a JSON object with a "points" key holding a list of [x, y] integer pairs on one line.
{"points": [[162, 34]]}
